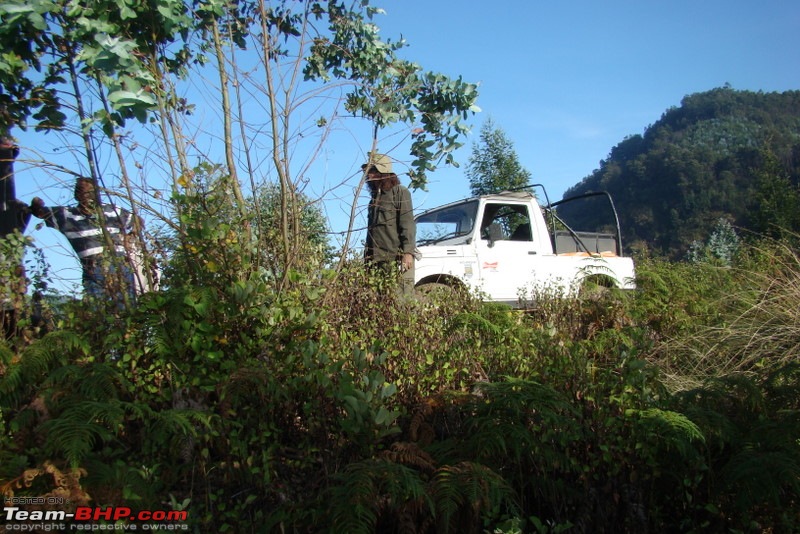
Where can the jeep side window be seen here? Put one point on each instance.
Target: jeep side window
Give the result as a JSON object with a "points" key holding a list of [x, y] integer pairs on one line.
{"points": [[506, 222]]}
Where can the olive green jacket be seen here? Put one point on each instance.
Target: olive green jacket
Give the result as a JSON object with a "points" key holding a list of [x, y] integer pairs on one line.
{"points": [[391, 230]]}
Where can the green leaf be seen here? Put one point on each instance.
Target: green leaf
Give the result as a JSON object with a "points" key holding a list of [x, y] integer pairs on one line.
{"points": [[122, 99], [389, 389], [384, 416]]}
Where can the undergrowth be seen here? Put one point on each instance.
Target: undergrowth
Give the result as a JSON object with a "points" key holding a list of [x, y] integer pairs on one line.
{"points": [[333, 405]]}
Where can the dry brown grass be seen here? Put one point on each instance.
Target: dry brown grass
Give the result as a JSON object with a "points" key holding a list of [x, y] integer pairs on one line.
{"points": [[760, 331]]}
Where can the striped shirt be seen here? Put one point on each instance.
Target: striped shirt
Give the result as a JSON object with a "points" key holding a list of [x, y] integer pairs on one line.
{"points": [[84, 231]]}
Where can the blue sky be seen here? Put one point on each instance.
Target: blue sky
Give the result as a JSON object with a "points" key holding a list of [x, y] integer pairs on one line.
{"points": [[566, 80]]}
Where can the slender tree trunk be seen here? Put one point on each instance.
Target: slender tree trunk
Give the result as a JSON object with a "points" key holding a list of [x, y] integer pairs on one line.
{"points": [[228, 136], [354, 205], [170, 129], [246, 149], [278, 149], [93, 168], [139, 247]]}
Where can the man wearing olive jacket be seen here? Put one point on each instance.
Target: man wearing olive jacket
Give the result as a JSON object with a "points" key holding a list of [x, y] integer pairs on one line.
{"points": [[391, 230]]}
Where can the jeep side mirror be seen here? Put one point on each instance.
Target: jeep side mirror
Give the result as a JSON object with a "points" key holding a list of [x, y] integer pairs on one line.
{"points": [[493, 233]]}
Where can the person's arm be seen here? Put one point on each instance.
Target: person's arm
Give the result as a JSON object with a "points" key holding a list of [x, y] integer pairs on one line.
{"points": [[406, 227], [23, 214], [127, 229], [40, 210], [125, 221]]}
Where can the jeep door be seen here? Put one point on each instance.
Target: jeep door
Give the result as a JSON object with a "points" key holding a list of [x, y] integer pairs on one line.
{"points": [[506, 250]]}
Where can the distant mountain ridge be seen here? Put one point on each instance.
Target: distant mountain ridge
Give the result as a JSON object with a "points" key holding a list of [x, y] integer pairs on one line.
{"points": [[721, 154]]}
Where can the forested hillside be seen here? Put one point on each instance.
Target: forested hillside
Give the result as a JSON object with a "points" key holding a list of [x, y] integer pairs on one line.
{"points": [[721, 154]]}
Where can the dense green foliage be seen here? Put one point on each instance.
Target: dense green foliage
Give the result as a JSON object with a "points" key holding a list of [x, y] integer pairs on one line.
{"points": [[335, 407], [721, 154]]}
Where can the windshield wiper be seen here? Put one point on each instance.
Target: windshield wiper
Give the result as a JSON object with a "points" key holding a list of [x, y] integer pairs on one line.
{"points": [[434, 240]]}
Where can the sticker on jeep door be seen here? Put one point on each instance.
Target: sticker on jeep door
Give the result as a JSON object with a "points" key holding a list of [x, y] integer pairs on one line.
{"points": [[468, 269]]}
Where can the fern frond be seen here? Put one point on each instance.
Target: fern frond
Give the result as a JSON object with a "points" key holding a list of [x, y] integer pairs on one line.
{"points": [[95, 381], [780, 432], [759, 477], [76, 430], [173, 428], [53, 350], [409, 454], [500, 438], [525, 396], [733, 394], [369, 490], [465, 492], [353, 501], [670, 430], [475, 322], [519, 418], [246, 383], [783, 387], [448, 494], [717, 428], [6, 356]]}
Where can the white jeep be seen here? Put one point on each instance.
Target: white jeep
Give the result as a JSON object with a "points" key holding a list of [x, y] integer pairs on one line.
{"points": [[502, 247]]}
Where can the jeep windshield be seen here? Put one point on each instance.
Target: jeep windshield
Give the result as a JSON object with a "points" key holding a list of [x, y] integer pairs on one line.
{"points": [[446, 223]]}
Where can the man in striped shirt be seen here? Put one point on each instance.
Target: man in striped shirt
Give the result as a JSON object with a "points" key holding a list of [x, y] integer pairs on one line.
{"points": [[89, 231]]}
